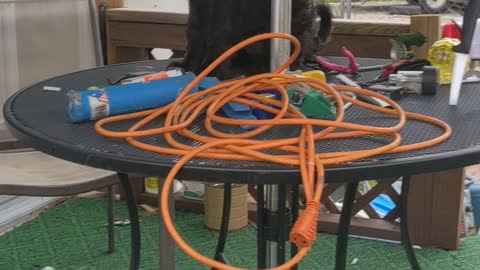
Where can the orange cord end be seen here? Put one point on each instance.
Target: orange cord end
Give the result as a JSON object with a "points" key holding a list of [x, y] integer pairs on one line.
{"points": [[304, 231]]}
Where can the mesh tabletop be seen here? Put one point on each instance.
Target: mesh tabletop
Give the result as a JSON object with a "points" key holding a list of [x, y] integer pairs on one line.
{"points": [[39, 118]]}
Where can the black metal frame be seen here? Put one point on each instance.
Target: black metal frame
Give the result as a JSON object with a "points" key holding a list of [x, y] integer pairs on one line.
{"points": [[346, 217], [111, 219], [134, 221], [262, 226], [295, 211], [222, 238], [404, 233], [261, 240], [348, 172], [343, 226]]}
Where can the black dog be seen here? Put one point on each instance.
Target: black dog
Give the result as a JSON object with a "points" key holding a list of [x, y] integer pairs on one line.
{"points": [[216, 25]]}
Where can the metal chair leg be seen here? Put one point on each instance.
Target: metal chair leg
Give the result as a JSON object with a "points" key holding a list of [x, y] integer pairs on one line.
{"points": [[295, 211], [134, 221], [166, 244], [282, 210], [111, 225], [261, 240], [344, 225], [222, 238], [404, 234]]}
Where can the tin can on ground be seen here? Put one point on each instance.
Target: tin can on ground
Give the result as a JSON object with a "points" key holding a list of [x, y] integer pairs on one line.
{"points": [[213, 207]]}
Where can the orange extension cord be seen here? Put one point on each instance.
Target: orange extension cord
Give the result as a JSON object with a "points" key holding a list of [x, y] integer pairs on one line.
{"points": [[181, 113]]}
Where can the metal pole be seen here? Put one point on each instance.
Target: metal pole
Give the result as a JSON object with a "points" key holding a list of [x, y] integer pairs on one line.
{"points": [[166, 243], [281, 23], [96, 33], [272, 206], [279, 53], [343, 5]]}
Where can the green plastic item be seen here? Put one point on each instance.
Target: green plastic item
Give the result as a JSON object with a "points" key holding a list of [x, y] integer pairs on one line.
{"points": [[93, 88], [402, 45], [314, 105]]}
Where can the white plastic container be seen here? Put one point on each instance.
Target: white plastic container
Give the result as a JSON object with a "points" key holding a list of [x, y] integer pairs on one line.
{"points": [[461, 61]]}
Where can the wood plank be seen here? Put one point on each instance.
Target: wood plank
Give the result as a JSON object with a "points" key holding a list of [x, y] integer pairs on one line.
{"points": [[362, 28], [392, 193], [192, 206], [370, 196], [365, 46], [430, 27], [131, 34], [146, 16], [130, 54], [375, 228], [393, 214], [111, 49], [111, 3], [435, 207], [342, 26], [371, 213], [328, 222], [330, 205], [12, 145]]}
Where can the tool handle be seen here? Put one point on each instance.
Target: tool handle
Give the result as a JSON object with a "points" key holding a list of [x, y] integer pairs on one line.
{"points": [[472, 13]]}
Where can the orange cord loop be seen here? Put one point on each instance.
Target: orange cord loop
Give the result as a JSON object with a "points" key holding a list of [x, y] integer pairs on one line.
{"points": [[297, 151]]}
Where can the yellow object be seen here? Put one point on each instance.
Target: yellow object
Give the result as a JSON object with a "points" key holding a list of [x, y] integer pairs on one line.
{"points": [[148, 208], [315, 74], [442, 56], [151, 185]]}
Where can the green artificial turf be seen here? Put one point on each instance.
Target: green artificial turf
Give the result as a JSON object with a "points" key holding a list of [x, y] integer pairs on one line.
{"points": [[72, 236]]}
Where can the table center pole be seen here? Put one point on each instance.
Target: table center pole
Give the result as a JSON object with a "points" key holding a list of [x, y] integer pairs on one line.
{"points": [[279, 53], [281, 22]]}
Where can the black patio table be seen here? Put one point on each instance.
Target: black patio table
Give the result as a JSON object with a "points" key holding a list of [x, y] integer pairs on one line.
{"points": [[38, 118]]}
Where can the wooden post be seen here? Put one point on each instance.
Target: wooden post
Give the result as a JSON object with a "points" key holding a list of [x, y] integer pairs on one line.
{"points": [[430, 27], [111, 3], [435, 207]]}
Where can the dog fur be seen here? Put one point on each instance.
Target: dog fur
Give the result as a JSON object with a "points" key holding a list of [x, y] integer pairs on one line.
{"points": [[214, 26]]}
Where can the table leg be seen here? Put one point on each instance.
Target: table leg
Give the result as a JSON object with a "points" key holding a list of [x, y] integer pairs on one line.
{"points": [[276, 224], [166, 243], [261, 241], [272, 207], [404, 234], [344, 225], [295, 211], [282, 229], [222, 238], [134, 222], [111, 226]]}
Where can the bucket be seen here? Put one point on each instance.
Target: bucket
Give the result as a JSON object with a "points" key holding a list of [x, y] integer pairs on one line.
{"points": [[213, 207], [475, 199], [151, 185]]}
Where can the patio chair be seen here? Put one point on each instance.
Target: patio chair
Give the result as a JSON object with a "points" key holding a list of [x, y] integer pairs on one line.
{"points": [[25, 172], [32, 173]]}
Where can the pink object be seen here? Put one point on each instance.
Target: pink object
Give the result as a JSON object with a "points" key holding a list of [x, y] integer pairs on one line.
{"points": [[352, 67]]}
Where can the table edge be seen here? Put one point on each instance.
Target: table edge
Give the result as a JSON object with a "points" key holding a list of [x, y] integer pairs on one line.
{"points": [[351, 172]]}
